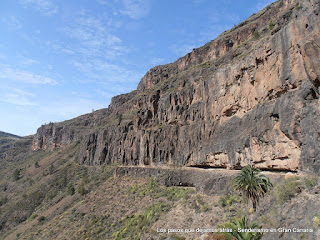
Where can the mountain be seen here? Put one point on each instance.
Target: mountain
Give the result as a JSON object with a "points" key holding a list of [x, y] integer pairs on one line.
{"points": [[6, 141], [249, 96], [158, 163], [8, 135]]}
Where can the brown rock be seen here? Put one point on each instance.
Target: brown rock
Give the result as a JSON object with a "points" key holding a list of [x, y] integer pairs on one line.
{"points": [[239, 99]]}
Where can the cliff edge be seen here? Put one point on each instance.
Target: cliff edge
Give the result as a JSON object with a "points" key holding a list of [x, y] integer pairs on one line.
{"points": [[249, 96]]}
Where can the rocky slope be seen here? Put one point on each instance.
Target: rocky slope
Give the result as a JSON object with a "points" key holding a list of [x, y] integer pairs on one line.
{"points": [[249, 96]]}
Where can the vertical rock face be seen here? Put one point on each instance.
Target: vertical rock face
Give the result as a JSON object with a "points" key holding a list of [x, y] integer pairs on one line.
{"points": [[249, 96]]}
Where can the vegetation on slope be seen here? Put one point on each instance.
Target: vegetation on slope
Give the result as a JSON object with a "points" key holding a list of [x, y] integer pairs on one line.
{"points": [[60, 199]]}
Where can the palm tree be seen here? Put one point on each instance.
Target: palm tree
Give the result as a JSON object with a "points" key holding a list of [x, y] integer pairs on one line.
{"points": [[242, 223], [253, 184]]}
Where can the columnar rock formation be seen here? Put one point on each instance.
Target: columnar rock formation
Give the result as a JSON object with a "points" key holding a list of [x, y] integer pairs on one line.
{"points": [[249, 96]]}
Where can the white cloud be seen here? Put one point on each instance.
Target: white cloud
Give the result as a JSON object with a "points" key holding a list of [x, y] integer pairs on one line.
{"points": [[45, 7], [12, 22], [18, 97], [106, 73], [93, 38], [24, 61], [10, 74], [136, 9]]}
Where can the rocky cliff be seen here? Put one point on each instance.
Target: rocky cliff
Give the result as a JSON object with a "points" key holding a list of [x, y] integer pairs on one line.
{"points": [[249, 96]]}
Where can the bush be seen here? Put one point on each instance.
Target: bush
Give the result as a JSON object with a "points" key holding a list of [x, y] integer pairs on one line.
{"points": [[16, 175], [41, 219], [310, 182], [81, 190], [288, 189], [132, 227], [256, 34], [51, 169], [3, 201], [316, 221], [228, 200], [71, 189], [204, 208], [36, 164], [271, 25]]}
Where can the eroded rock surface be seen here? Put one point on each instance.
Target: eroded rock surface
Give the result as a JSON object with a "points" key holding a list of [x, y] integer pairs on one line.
{"points": [[249, 96]]}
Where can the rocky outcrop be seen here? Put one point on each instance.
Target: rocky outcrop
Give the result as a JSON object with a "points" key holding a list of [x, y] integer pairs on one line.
{"points": [[249, 96], [55, 135]]}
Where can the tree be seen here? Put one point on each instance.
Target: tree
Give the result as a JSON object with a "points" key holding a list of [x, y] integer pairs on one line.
{"points": [[243, 223], [252, 183]]}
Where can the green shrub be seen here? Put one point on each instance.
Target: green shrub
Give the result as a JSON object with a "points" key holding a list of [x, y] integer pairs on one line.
{"points": [[310, 182], [51, 169], [222, 201], [154, 190], [256, 34], [16, 175], [81, 190], [271, 25], [287, 189], [176, 193], [3, 201], [176, 237], [228, 200], [33, 216], [204, 208], [41, 219], [71, 189], [132, 227], [242, 223], [316, 221], [36, 164]]}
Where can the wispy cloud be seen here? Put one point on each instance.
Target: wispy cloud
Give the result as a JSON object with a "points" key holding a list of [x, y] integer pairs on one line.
{"points": [[8, 73], [93, 38], [106, 73], [44, 7], [18, 97], [12, 22], [136, 9], [25, 61], [96, 51]]}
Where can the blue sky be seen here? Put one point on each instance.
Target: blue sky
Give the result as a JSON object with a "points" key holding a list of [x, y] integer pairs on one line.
{"points": [[60, 59]]}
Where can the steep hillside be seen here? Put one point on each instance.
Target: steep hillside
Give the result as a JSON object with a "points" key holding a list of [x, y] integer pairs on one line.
{"points": [[249, 96], [49, 195]]}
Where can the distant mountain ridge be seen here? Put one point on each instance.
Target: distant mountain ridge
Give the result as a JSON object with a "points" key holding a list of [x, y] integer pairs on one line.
{"points": [[6, 135]]}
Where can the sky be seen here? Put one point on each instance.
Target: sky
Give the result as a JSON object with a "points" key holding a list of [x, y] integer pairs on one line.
{"points": [[63, 58]]}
